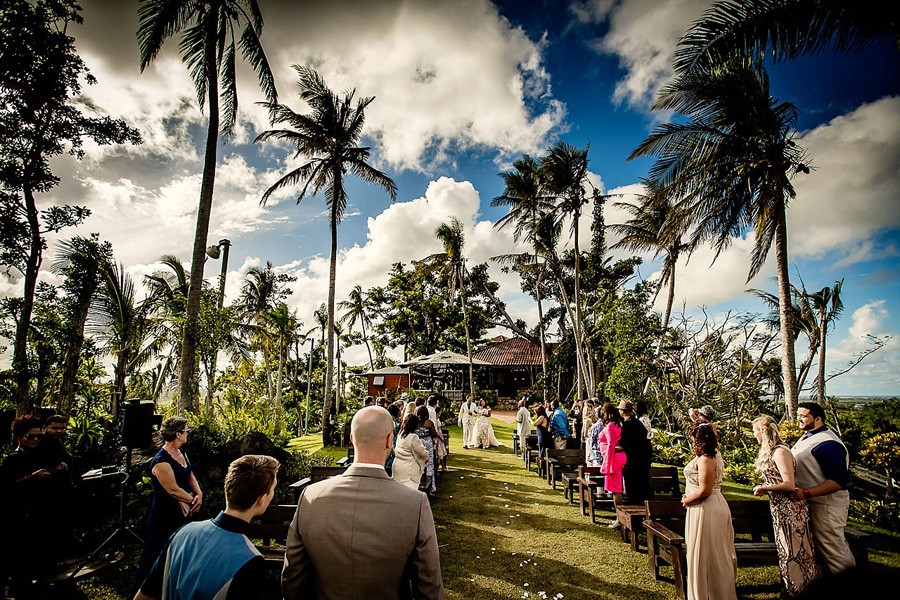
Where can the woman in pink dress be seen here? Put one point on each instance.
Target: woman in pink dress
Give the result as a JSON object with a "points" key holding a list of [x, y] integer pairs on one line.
{"points": [[613, 456]]}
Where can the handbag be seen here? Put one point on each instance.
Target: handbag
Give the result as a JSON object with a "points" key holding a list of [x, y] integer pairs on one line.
{"points": [[185, 508]]}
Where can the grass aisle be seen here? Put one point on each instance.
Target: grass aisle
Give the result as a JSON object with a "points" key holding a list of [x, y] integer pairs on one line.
{"points": [[504, 533]]}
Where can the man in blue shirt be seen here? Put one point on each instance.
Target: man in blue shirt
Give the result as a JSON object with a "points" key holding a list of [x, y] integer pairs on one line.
{"points": [[214, 559], [822, 473], [559, 426]]}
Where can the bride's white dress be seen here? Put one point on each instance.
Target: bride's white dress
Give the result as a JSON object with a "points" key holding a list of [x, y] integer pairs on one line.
{"points": [[484, 431]]}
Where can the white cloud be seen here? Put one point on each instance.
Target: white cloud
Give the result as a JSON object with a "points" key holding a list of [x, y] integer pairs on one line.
{"points": [[879, 373], [643, 34]]}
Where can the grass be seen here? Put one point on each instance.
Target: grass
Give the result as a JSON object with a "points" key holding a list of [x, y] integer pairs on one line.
{"points": [[504, 533]]}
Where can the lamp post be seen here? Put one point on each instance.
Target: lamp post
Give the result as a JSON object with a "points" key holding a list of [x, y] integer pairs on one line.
{"points": [[214, 252]]}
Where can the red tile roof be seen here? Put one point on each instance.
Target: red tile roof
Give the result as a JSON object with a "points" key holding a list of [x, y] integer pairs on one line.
{"points": [[511, 352]]}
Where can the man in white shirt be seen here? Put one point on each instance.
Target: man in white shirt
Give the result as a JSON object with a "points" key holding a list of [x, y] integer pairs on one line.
{"points": [[523, 424]]}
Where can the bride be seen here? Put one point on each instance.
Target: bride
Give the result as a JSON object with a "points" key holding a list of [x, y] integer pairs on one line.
{"points": [[484, 431]]}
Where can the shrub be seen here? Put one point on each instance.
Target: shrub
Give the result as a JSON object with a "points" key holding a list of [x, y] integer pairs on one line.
{"points": [[671, 448], [877, 512]]}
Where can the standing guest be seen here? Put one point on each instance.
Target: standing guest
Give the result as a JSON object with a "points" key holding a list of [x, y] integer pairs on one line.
{"points": [[559, 426], [594, 457], [640, 411], [57, 503], [410, 454], [213, 559], [176, 493], [395, 416], [369, 401], [383, 402], [431, 403], [613, 457], [468, 413], [542, 425], [23, 481], [790, 516], [704, 414], [523, 423], [588, 418], [428, 433], [708, 532], [639, 450], [823, 471], [361, 534], [577, 420]]}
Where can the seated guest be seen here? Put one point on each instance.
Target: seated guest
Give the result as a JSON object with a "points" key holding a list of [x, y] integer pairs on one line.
{"points": [[213, 559]]}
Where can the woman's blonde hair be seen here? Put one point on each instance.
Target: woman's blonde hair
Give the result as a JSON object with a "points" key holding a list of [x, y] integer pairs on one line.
{"points": [[770, 434]]}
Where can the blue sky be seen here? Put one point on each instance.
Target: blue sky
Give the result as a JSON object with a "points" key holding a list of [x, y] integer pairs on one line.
{"points": [[462, 88]]}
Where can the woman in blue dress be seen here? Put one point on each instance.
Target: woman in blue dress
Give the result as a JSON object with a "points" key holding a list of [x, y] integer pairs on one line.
{"points": [[542, 424], [176, 494]]}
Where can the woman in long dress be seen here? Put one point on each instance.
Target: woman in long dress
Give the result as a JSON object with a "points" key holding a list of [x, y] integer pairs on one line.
{"points": [[790, 517], [484, 431], [409, 454], [613, 457], [542, 425], [589, 419], [708, 532], [427, 432]]}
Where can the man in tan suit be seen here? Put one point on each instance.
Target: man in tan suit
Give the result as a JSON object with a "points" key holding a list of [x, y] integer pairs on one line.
{"points": [[361, 534]]}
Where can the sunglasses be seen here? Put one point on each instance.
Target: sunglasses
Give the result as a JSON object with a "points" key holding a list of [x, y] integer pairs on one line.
{"points": [[34, 436]]}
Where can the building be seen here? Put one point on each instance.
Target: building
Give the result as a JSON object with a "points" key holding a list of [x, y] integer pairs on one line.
{"points": [[515, 364], [387, 378]]}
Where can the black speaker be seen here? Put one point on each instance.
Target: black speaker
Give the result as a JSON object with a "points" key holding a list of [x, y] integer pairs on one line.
{"points": [[45, 412], [139, 423]]}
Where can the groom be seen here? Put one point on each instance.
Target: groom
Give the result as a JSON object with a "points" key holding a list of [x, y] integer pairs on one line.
{"points": [[468, 413]]}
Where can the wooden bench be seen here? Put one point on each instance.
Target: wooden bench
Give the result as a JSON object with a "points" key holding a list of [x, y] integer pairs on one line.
{"points": [[531, 450], [664, 485], [562, 461], [271, 529], [315, 474], [752, 521], [346, 460], [544, 462], [591, 493]]}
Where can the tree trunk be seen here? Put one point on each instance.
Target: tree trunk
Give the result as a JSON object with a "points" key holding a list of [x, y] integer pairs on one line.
{"points": [[362, 322], [278, 382], [667, 313], [579, 337], [25, 402], [327, 424], [823, 331], [788, 367], [537, 289], [462, 296], [187, 379]]}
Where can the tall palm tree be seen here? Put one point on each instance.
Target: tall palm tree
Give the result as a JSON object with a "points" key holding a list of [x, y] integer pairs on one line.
{"points": [[167, 301], [453, 240], [209, 44], [82, 261], [783, 29], [283, 323], [732, 164], [328, 138], [357, 307], [564, 174], [828, 306], [528, 204]]}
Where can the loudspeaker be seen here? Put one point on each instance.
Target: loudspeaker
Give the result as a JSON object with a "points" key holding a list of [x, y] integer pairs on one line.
{"points": [[139, 423], [45, 412]]}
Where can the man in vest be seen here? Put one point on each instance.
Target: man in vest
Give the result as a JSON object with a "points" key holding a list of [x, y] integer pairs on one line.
{"points": [[213, 559], [468, 414], [823, 471]]}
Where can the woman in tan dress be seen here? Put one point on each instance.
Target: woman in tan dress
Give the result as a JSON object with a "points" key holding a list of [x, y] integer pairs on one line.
{"points": [[790, 516], [708, 532]]}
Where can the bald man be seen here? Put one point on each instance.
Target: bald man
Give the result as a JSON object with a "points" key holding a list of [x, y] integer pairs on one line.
{"points": [[362, 534]]}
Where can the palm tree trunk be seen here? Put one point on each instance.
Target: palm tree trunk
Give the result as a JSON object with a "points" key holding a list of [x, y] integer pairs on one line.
{"points": [[462, 296], [24, 404], [667, 313], [537, 289], [362, 322], [579, 338], [823, 331], [788, 366], [805, 366], [327, 427], [187, 380], [278, 383]]}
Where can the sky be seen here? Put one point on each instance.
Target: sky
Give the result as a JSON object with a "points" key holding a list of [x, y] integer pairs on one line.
{"points": [[462, 88]]}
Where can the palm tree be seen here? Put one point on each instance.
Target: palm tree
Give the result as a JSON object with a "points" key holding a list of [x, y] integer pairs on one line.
{"points": [[652, 227], [828, 306], [167, 301], [783, 29], [453, 240], [259, 295], [81, 261], [124, 328], [328, 138], [564, 174], [209, 43], [528, 204], [357, 308], [283, 323], [731, 164]]}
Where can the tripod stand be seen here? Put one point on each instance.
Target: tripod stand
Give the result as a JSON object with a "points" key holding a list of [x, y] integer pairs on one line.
{"points": [[121, 527]]}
